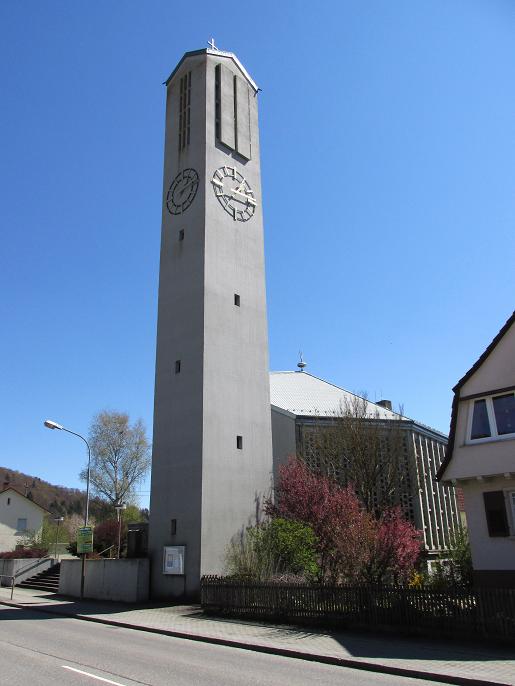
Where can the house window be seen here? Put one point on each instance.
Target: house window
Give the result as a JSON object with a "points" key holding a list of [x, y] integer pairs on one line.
{"points": [[495, 510], [511, 497], [480, 422], [504, 410], [21, 524], [492, 417]]}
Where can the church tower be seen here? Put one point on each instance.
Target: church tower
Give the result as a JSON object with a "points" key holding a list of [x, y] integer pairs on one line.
{"points": [[212, 446]]}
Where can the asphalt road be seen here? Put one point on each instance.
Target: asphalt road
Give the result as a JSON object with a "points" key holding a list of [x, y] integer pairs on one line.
{"points": [[41, 649]]}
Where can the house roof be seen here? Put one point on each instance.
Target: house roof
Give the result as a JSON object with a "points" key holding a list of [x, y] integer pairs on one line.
{"points": [[303, 394], [454, 412], [216, 53], [11, 488]]}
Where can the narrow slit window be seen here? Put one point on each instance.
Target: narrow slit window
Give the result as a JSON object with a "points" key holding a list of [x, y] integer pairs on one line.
{"points": [[173, 527], [184, 110], [239, 442], [181, 235], [480, 422], [218, 102], [236, 299], [177, 366]]}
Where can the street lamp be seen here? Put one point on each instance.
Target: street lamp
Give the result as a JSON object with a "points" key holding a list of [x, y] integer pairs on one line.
{"points": [[119, 506], [54, 425], [57, 520]]}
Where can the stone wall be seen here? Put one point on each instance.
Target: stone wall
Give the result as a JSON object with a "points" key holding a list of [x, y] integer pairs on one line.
{"points": [[122, 580], [13, 566]]}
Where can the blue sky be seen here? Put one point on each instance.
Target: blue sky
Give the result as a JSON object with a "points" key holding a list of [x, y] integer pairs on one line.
{"points": [[388, 148]]}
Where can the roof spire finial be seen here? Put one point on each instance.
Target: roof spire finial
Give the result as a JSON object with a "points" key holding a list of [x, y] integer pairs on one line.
{"points": [[301, 364], [212, 45]]}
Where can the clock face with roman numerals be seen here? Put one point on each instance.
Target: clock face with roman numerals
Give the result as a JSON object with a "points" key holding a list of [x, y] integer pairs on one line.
{"points": [[182, 191], [234, 193]]}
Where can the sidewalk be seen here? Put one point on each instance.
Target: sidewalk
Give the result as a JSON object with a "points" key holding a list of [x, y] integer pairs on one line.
{"points": [[444, 661]]}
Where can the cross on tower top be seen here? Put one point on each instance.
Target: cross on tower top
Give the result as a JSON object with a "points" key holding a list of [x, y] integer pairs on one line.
{"points": [[212, 45]]}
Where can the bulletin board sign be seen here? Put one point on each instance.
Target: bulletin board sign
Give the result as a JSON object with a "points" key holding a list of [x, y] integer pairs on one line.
{"points": [[173, 559], [85, 539]]}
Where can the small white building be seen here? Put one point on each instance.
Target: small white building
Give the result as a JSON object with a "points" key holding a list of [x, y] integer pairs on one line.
{"points": [[19, 517], [481, 458]]}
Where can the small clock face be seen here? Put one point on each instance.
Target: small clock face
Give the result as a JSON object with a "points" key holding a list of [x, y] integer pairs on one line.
{"points": [[182, 191], [234, 193]]}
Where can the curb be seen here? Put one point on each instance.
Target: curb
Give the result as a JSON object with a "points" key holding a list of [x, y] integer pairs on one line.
{"points": [[283, 652]]}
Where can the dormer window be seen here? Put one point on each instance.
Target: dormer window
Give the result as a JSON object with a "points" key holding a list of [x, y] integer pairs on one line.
{"points": [[492, 418]]}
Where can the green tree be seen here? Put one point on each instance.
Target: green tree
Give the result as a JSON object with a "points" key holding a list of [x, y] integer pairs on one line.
{"points": [[120, 456]]}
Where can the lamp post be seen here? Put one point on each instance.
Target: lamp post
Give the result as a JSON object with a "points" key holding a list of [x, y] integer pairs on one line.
{"points": [[54, 425], [119, 506], [57, 520]]}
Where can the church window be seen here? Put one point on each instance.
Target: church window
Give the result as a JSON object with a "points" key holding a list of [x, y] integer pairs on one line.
{"points": [[177, 366], [239, 442], [8, 501], [184, 110], [218, 102], [236, 300]]}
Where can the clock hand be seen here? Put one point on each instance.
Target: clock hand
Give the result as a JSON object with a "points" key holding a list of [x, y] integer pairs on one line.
{"points": [[247, 196], [184, 188], [239, 188]]}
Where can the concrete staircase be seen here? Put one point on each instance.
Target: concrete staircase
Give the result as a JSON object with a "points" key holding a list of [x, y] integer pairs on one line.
{"points": [[44, 581]]}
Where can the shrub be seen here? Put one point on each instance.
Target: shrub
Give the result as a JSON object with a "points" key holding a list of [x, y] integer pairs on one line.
{"points": [[352, 545], [24, 553]]}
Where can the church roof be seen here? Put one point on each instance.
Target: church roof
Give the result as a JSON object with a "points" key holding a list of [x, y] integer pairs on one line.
{"points": [[216, 53], [304, 394]]}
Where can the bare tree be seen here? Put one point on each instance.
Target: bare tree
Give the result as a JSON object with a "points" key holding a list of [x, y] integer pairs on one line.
{"points": [[120, 456], [358, 446]]}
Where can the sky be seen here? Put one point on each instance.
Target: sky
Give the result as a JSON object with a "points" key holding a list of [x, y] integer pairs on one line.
{"points": [[387, 151]]}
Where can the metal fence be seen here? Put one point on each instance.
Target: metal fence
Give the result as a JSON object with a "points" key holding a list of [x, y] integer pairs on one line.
{"points": [[483, 612]]}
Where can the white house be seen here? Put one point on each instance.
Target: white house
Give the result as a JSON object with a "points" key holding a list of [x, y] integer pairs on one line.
{"points": [[19, 517], [481, 457]]}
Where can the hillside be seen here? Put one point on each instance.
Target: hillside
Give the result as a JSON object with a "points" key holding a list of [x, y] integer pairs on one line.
{"points": [[60, 500]]}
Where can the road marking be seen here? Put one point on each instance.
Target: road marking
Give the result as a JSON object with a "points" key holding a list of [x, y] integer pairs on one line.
{"points": [[93, 676]]}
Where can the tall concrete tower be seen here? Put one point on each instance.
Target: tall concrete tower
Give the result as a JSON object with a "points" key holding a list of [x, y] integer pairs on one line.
{"points": [[212, 447]]}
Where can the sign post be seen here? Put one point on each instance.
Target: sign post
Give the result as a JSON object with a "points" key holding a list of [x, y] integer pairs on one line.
{"points": [[84, 546]]}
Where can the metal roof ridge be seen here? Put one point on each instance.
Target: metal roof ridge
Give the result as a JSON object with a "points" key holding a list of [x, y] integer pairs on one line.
{"points": [[219, 53]]}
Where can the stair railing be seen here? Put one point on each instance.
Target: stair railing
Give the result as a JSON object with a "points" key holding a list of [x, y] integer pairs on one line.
{"points": [[105, 551], [27, 568]]}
